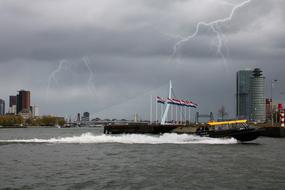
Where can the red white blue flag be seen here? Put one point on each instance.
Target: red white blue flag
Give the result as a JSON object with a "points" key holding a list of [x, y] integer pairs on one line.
{"points": [[160, 100], [177, 102]]}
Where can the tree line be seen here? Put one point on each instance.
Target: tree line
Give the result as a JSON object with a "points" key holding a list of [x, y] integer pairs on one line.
{"points": [[15, 120]]}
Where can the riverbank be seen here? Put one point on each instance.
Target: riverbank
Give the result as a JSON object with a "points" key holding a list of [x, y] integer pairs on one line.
{"points": [[23, 127]]}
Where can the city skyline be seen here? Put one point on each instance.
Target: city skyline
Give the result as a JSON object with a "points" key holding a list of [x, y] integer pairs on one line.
{"points": [[88, 60]]}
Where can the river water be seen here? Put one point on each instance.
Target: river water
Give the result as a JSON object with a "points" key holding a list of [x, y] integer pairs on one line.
{"points": [[84, 158]]}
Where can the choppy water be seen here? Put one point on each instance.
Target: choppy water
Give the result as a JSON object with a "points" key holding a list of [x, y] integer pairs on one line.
{"points": [[47, 158]]}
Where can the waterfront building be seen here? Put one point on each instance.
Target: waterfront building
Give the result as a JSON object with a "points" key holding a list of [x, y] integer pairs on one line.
{"points": [[250, 95], [268, 108], [243, 94], [78, 117], [23, 101], [257, 96], [12, 101], [85, 117], [13, 104], [25, 113], [35, 111], [2, 107]]}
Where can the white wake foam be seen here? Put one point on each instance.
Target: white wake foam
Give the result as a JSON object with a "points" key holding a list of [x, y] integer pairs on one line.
{"points": [[169, 138]]}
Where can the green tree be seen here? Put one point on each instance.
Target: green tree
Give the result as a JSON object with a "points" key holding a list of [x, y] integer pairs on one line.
{"points": [[11, 120]]}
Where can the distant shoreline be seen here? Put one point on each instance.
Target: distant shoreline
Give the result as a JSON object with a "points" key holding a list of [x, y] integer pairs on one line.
{"points": [[24, 127]]}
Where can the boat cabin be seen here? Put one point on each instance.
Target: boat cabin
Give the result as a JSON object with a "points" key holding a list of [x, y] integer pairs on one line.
{"points": [[224, 125]]}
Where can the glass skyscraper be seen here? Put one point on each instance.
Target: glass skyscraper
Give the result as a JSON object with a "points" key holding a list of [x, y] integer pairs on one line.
{"points": [[257, 96], [243, 94], [250, 96]]}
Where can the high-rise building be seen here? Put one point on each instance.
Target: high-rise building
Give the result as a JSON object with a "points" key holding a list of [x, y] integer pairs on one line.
{"points": [[257, 96], [23, 101], [250, 97], [35, 111], [268, 108], [2, 107], [243, 94], [85, 117], [78, 117], [13, 101], [13, 104]]}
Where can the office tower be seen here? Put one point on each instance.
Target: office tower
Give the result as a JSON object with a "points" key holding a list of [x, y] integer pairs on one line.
{"points": [[257, 96], [13, 101], [13, 104], [78, 117], [250, 97], [23, 101], [2, 107], [243, 94], [86, 116], [268, 107], [35, 111]]}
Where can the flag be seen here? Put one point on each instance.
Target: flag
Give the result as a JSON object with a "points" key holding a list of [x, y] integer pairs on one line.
{"points": [[193, 105], [160, 100], [178, 102], [170, 101]]}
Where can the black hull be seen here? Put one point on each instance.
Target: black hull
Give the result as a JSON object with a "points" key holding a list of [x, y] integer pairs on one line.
{"points": [[138, 129], [273, 132], [245, 134], [240, 135]]}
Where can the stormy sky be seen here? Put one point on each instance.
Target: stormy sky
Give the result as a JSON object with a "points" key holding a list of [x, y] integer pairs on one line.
{"points": [[108, 57]]}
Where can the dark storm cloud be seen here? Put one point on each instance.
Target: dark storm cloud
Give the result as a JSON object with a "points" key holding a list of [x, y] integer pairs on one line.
{"points": [[142, 32], [128, 45]]}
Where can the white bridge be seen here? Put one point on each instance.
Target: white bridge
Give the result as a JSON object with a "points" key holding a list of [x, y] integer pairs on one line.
{"points": [[177, 105]]}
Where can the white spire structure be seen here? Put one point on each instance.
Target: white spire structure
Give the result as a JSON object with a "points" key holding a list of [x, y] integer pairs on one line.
{"points": [[163, 120]]}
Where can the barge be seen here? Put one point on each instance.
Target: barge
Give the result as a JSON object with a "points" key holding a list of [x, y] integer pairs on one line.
{"points": [[273, 132], [237, 129]]}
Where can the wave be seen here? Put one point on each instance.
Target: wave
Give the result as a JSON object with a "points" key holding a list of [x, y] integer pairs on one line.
{"points": [[168, 138]]}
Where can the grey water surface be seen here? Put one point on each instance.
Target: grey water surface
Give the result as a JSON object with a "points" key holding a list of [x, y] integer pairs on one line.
{"points": [[80, 158]]}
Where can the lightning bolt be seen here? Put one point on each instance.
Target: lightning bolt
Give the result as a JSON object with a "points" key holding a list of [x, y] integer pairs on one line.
{"points": [[214, 27], [219, 44], [91, 86], [53, 76]]}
